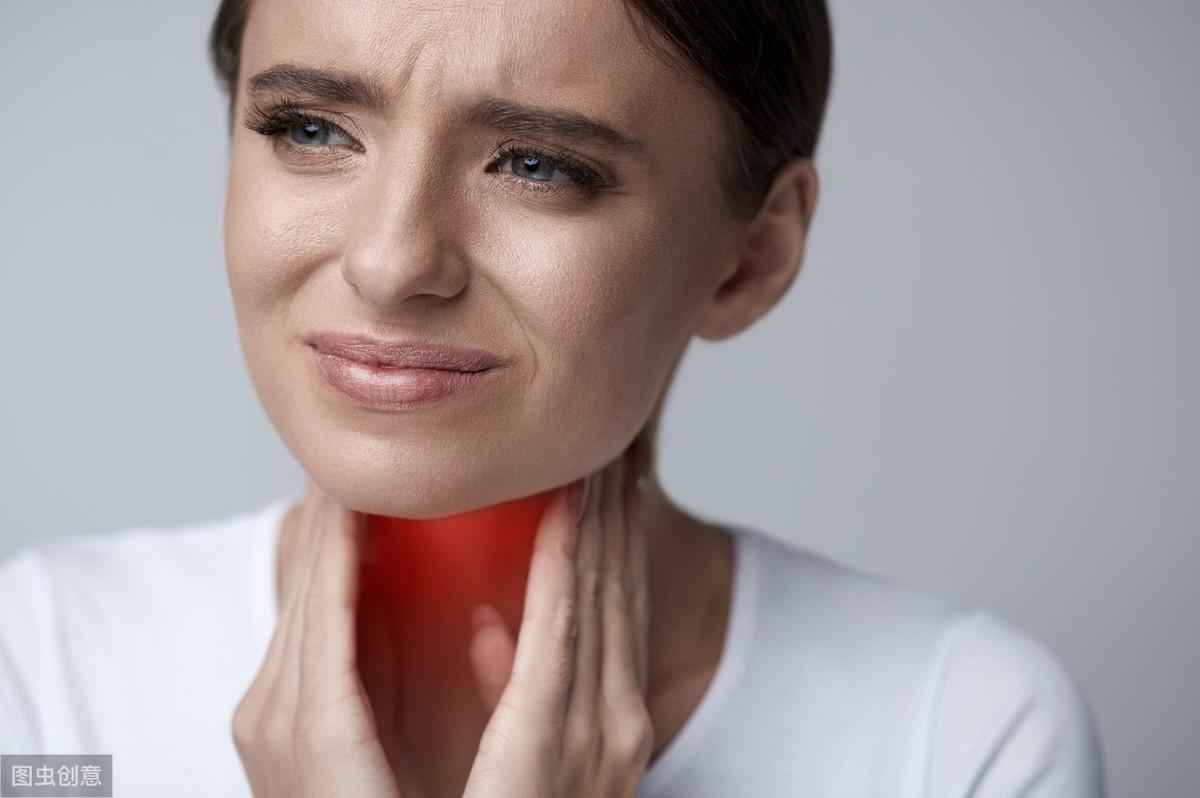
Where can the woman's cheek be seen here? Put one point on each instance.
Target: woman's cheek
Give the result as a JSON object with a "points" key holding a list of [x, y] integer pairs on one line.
{"points": [[612, 315], [266, 251], [274, 240], [258, 255]]}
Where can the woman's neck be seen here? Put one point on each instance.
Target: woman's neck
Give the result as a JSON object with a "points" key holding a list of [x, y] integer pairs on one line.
{"points": [[432, 574]]}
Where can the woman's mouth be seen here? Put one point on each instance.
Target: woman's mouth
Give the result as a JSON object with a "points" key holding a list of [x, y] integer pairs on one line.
{"points": [[399, 375], [393, 387]]}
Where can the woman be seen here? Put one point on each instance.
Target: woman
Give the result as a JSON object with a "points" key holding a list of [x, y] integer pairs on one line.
{"points": [[467, 246]]}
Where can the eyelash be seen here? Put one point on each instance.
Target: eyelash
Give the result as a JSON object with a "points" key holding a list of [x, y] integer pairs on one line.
{"points": [[283, 117]]}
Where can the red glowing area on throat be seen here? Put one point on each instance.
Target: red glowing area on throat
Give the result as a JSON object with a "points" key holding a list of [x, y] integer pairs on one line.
{"points": [[431, 573]]}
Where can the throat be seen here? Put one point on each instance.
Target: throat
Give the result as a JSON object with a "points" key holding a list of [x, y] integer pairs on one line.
{"points": [[432, 573]]}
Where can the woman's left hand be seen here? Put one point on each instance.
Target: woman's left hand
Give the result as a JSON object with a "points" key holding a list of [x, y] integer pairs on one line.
{"points": [[571, 719]]}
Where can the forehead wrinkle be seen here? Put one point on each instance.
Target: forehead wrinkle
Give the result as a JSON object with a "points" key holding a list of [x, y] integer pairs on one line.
{"points": [[536, 81], [584, 58], [559, 43]]}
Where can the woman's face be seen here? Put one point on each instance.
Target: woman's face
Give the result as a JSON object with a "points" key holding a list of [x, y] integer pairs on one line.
{"points": [[409, 218]]}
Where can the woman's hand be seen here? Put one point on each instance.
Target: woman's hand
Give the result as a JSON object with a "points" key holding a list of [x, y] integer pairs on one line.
{"points": [[305, 726], [572, 718]]}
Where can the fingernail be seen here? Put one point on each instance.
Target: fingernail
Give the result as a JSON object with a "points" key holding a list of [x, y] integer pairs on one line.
{"points": [[644, 462], [587, 488], [644, 465], [577, 498], [482, 615]]}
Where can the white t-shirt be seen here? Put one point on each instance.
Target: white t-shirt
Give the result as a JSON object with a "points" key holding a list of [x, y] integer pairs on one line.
{"points": [[833, 683]]}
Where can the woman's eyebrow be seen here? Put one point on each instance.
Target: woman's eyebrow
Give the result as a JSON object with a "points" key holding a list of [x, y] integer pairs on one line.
{"points": [[495, 112], [321, 84], [524, 119]]}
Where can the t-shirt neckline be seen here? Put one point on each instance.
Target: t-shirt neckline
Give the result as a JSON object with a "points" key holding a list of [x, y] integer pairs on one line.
{"points": [[666, 768]]}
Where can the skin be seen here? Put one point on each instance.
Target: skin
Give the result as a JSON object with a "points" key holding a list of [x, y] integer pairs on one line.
{"points": [[592, 299], [570, 719]]}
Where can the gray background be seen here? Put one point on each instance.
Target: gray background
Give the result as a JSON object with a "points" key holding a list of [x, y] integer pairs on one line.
{"points": [[982, 383]]}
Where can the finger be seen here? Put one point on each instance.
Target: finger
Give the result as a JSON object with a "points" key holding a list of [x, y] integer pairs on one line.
{"points": [[287, 673], [265, 687], [296, 549], [492, 650], [637, 557], [541, 674], [328, 673], [589, 584], [638, 473], [286, 556], [619, 681]]}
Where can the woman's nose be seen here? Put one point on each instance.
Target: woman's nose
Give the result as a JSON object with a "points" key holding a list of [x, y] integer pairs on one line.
{"points": [[403, 237]]}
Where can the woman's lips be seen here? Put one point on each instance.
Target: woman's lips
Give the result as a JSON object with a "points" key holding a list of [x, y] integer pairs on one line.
{"points": [[404, 354], [389, 388]]}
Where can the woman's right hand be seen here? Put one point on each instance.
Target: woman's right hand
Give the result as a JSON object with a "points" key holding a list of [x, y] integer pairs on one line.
{"points": [[305, 727]]}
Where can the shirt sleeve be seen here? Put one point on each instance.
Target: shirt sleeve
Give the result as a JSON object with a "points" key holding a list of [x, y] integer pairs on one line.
{"points": [[1010, 720]]}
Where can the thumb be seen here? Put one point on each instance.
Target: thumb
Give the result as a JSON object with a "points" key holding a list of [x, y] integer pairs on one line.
{"points": [[492, 653]]}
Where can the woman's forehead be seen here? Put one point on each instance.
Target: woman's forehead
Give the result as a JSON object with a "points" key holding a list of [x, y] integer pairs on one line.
{"points": [[584, 56]]}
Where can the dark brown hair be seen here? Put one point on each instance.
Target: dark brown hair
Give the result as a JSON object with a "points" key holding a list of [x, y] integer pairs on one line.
{"points": [[768, 62]]}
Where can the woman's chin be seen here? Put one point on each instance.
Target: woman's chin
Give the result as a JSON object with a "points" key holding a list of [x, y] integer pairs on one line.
{"points": [[436, 502]]}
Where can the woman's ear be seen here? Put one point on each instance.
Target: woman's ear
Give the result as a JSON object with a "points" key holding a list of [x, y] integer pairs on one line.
{"points": [[767, 257]]}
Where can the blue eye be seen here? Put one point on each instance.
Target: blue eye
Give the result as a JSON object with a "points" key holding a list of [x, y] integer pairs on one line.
{"points": [[305, 131], [315, 131], [530, 160], [535, 163], [309, 134]]}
